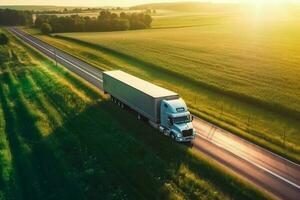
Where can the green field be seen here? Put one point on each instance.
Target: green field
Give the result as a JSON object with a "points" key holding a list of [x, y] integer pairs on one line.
{"points": [[238, 69], [61, 139]]}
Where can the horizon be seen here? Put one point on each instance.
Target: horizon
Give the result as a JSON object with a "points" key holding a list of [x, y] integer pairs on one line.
{"points": [[128, 3]]}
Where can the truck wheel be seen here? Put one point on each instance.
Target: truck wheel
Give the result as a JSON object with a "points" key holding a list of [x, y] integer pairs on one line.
{"points": [[165, 132], [173, 136]]}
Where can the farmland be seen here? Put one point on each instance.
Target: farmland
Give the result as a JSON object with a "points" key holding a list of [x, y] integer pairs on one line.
{"points": [[61, 139], [232, 69]]}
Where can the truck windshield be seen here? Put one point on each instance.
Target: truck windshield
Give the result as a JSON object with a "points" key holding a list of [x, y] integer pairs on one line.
{"points": [[181, 119]]}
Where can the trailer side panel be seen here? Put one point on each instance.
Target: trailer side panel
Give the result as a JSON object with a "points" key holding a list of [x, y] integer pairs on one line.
{"points": [[129, 91]]}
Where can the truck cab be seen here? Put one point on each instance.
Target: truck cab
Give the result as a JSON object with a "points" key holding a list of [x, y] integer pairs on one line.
{"points": [[176, 120]]}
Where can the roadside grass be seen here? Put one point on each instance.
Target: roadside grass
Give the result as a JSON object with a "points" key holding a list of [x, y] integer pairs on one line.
{"points": [[70, 143], [7, 180], [265, 120]]}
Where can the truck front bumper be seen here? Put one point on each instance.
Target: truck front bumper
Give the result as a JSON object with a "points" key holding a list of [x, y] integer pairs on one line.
{"points": [[185, 139]]}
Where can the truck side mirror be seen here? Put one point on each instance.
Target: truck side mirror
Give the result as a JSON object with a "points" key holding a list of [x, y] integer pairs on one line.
{"points": [[192, 117]]}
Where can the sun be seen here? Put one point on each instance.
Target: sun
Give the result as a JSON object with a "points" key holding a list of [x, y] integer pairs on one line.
{"points": [[265, 11]]}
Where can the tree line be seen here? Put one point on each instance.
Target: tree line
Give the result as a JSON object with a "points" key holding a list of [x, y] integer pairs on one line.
{"points": [[9, 17], [106, 21], [76, 10]]}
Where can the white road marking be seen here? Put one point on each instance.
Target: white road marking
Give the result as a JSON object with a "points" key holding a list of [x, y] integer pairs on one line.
{"points": [[84, 71], [250, 143], [253, 163]]}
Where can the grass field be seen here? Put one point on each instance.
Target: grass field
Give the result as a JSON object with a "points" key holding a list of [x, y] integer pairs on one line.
{"points": [[235, 71], [60, 139]]}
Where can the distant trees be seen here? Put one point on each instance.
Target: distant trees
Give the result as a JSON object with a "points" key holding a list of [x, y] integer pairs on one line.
{"points": [[75, 10], [3, 39], [46, 28], [106, 21], [10, 17]]}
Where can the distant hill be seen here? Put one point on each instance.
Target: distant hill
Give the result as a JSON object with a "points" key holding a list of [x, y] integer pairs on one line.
{"points": [[184, 6]]}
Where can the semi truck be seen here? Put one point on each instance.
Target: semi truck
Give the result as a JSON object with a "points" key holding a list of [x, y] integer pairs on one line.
{"points": [[162, 108]]}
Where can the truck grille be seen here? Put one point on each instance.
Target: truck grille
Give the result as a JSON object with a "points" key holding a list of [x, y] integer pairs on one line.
{"points": [[186, 133]]}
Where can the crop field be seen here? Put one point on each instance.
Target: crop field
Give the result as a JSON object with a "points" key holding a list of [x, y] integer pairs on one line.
{"points": [[61, 139], [235, 71]]}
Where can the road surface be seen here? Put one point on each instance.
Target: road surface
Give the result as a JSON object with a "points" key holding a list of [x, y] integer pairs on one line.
{"points": [[274, 174]]}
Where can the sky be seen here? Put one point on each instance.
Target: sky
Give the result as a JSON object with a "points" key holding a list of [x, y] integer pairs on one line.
{"points": [[90, 3]]}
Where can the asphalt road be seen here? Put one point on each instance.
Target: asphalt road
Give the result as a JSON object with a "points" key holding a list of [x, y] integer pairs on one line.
{"points": [[274, 174]]}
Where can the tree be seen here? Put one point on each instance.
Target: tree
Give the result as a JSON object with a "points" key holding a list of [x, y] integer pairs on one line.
{"points": [[3, 39], [120, 24], [147, 20], [106, 21], [10, 17], [46, 28], [137, 24], [123, 24], [91, 24], [39, 21], [123, 15], [114, 16]]}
